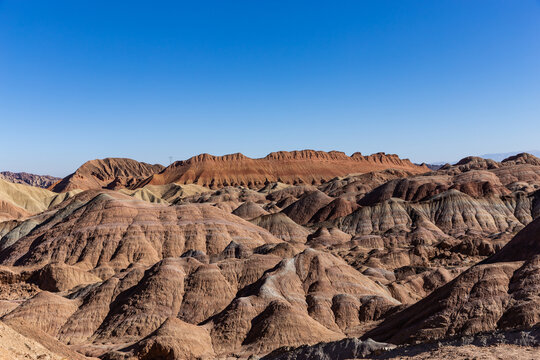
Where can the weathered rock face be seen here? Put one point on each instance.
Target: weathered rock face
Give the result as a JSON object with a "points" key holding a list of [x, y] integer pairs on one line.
{"points": [[175, 340], [62, 277], [500, 293], [112, 231], [496, 345], [249, 210], [9, 211], [475, 177], [282, 227], [296, 167], [166, 194], [336, 350], [134, 303], [451, 212], [41, 181], [110, 173], [45, 311], [522, 158], [302, 210], [327, 237], [523, 247], [254, 304], [22, 340], [19, 201], [185, 271], [354, 187], [336, 209], [229, 194], [302, 300]]}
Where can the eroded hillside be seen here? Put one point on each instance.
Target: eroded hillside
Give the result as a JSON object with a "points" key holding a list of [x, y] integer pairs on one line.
{"points": [[203, 259]]}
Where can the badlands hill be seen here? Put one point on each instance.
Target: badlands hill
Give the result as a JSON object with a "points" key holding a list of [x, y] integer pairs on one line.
{"points": [[499, 293], [109, 173], [42, 181], [186, 271], [19, 201], [295, 167]]}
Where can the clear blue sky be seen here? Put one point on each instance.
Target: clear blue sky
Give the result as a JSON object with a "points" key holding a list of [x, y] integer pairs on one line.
{"points": [[429, 80]]}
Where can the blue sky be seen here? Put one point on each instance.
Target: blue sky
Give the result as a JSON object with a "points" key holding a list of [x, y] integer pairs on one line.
{"points": [[428, 80]]}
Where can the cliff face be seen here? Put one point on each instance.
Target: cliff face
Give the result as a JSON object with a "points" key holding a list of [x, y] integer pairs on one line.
{"points": [[295, 167]]}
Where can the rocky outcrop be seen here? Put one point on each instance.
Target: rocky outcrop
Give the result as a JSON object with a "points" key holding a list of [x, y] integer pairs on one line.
{"points": [[296, 167], [22, 340], [499, 293], [350, 348], [500, 344], [109, 231], [45, 311], [184, 271], [62, 277], [302, 210], [336, 209], [253, 304], [522, 158], [327, 237], [175, 340], [305, 299], [249, 210], [110, 173], [451, 212], [282, 227]]}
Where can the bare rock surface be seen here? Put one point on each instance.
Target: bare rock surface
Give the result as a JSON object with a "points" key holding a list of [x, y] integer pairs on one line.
{"points": [[19, 201], [282, 227], [249, 210], [41, 181], [20, 340], [499, 293], [296, 167], [110, 230], [494, 345], [338, 350], [175, 340], [220, 257], [111, 173]]}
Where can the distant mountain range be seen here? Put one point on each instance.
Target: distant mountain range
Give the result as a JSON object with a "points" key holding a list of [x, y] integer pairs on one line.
{"points": [[42, 181], [495, 156], [502, 156]]}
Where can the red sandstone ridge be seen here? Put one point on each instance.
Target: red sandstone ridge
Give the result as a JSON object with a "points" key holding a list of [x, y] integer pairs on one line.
{"points": [[295, 167], [110, 173]]}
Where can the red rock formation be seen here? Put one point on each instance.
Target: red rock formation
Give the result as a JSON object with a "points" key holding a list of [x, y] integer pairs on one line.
{"points": [[111, 173], [295, 167], [176, 271]]}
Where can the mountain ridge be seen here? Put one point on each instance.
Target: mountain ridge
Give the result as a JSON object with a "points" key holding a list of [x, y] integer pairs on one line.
{"points": [[290, 167], [42, 181]]}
